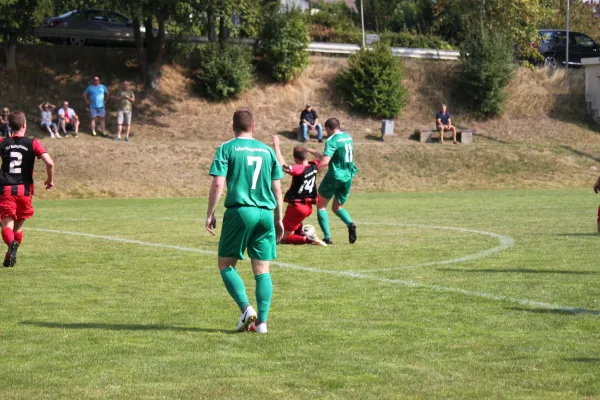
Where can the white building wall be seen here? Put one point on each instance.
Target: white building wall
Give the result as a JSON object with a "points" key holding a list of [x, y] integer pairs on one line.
{"points": [[301, 4], [592, 86]]}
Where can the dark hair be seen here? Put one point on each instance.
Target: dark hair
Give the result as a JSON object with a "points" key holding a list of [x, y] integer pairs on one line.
{"points": [[16, 120], [332, 123], [243, 118], [300, 153]]}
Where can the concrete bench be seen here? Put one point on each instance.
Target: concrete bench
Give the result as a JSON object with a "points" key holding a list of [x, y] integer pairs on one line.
{"points": [[463, 135]]}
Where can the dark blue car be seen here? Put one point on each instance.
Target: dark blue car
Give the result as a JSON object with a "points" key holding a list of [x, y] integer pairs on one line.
{"points": [[553, 47]]}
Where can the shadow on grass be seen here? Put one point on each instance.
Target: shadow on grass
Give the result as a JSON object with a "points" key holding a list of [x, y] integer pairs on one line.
{"points": [[490, 138], [123, 327], [583, 359], [375, 138], [560, 311], [580, 153], [520, 271]]}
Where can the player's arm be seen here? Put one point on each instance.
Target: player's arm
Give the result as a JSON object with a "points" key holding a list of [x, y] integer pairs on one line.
{"points": [[279, 155], [49, 170], [315, 154], [324, 162], [278, 211], [40, 106], [132, 98], [216, 190], [597, 185]]}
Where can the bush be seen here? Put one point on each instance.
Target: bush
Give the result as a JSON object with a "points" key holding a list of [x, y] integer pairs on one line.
{"points": [[335, 16], [486, 67], [283, 43], [372, 83], [224, 74]]}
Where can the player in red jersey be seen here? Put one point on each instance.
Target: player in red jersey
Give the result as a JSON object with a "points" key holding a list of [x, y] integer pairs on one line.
{"points": [[597, 190], [16, 182], [301, 195]]}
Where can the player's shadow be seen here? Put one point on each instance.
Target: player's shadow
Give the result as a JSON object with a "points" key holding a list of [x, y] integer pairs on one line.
{"points": [[583, 359], [124, 327], [578, 234], [521, 271], [559, 311]]}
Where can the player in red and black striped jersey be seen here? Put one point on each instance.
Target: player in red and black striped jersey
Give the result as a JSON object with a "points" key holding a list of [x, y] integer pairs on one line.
{"points": [[301, 195], [16, 182], [597, 190]]}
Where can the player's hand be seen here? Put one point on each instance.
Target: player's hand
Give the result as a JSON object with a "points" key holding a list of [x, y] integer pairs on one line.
{"points": [[276, 140], [279, 230], [211, 224], [49, 185]]}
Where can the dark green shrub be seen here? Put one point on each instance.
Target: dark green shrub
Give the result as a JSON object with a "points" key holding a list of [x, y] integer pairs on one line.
{"points": [[224, 74], [486, 67], [283, 43], [372, 83]]}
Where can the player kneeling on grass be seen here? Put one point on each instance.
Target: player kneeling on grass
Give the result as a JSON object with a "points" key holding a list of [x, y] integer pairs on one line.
{"points": [[339, 158], [253, 217], [16, 182], [300, 197]]}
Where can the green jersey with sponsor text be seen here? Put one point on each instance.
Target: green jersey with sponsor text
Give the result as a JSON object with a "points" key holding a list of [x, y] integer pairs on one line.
{"points": [[249, 167], [340, 147]]}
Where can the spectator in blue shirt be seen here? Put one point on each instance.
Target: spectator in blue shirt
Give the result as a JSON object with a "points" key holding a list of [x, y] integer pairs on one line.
{"points": [[96, 96], [443, 123]]}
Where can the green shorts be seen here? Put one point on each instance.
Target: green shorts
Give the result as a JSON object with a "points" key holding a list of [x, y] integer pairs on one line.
{"points": [[249, 228], [330, 187]]}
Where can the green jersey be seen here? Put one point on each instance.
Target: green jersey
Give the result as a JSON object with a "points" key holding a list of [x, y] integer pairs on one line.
{"points": [[340, 148], [124, 104], [249, 167]]}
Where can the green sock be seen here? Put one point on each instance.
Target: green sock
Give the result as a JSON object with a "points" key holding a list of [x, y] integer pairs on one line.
{"points": [[264, 293], [324, 223], [235, 286], [344, 216]]}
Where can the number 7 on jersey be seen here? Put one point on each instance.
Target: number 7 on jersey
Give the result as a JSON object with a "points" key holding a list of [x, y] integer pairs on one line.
{"points": [[258, 161]]}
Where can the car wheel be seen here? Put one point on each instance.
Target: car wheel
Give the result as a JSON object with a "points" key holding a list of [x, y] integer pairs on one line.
{"points": [[77, 42], [550, 60]]}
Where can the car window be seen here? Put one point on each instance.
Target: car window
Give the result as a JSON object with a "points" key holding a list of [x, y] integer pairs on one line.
{"points": [[91, 15], [584, 41], [118, 18], [68, 15], [546, 37], [560, 38]]}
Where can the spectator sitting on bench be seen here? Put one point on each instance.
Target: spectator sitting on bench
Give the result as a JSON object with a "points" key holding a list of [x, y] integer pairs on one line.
{"points": [[309, 120], [47, 124], [443, 123]]}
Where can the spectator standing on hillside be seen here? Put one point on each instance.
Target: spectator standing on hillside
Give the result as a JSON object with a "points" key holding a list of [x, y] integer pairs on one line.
{"points": [[126, 98], [16, 182], [597, 190], [309, 120], [4, 127], [443, 122], [68, 120], [96, 96], [46, 120]]}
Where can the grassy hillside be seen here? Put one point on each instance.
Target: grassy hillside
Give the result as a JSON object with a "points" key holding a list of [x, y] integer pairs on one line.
{"points": [[544, 140]]}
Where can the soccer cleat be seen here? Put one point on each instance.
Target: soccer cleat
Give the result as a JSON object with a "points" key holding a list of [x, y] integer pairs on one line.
{"points": [[118, 139], [318, 242], [6, 262], [260, 328], [12, 253], [105, 134], [93, 133], [126, 139], [328, 241], [352, 233], [247, 318]]}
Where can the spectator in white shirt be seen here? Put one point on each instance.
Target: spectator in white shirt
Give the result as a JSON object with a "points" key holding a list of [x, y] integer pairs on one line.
{"points": [[68, 120], [47, 124]]}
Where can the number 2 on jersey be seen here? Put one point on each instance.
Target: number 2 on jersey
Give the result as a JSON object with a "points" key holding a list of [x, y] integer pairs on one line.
{"points": [[15, 162], [349, 153], [258, 161]]}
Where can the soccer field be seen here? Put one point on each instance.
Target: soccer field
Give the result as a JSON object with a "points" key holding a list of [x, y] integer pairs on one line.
{"points": [[474, 294]]}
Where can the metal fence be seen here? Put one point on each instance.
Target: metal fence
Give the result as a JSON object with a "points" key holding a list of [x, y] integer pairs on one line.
{"points": [[314, 47]]}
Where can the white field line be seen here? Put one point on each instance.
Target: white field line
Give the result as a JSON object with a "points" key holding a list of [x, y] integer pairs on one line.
{"points": [[505, 242], [349, 274]]}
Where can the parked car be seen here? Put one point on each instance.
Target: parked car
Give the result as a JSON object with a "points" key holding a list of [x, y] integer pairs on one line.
{"points": [[553, 46], [80, 27]]}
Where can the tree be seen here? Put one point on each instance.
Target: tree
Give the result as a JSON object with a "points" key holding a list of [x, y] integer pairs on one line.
{"points": [[18, 18], [585, 16]]}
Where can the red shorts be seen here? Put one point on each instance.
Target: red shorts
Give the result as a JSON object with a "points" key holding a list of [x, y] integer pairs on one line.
{"points": [[294, 215], [17, 207], [598, 214]]}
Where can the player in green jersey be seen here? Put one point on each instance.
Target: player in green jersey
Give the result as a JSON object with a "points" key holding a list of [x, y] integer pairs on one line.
{"points": [[339, 157], [252, 219]]}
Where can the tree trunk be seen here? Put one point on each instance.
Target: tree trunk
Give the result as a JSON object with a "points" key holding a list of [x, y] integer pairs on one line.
{"points": [[139, 42], [10, 50], [210, 16], [155, 50]]}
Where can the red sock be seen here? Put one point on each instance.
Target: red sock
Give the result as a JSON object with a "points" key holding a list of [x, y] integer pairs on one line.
{"points": [[295, 239], [8, 236], [19, 237]]}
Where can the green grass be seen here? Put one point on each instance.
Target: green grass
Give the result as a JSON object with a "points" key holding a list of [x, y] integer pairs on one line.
{"points": [[84, 317]]}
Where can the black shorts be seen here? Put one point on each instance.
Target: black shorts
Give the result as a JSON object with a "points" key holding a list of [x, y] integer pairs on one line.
{"points": [[69, 127]]}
